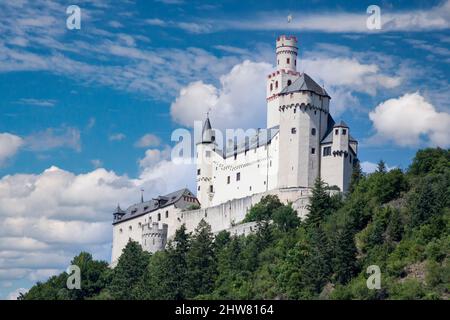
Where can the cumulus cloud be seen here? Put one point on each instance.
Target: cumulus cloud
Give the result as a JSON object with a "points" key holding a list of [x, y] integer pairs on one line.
{"points": [[148, 140], [239, 102], [9, 145], [409, 121], [49, 217]]}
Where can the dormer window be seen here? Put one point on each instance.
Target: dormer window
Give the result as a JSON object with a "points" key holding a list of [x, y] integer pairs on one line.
{"points": [[336, 132], [289, 82], [344, 132]]}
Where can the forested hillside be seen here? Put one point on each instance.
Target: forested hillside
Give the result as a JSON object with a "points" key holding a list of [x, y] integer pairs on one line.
{"points": [[397, 220]]}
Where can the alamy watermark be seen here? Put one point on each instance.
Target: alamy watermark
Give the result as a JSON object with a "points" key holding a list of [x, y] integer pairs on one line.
{"points": [[373, 22], [74, 278], [374, 280], [74, 19]]}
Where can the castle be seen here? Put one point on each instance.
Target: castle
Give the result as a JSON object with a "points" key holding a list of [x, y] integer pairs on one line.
{"points": [[301, 142]]}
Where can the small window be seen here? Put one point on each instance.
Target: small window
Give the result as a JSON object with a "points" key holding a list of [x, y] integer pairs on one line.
{"points": [[344, 132], [293, 130], [289, 82], [326, 151], [278, 62], [235, 156], [288, 61], [167, 214], [120, 230], [238, 176], [211, 188], [198, 188], [295, 61], [336, 132], [271, 86], [295, 109], [130, 228], [313, 131], [159, 216], [276, 84], [140, 225], [313, 150], [250, 188], [228, 180], [198, 172]]}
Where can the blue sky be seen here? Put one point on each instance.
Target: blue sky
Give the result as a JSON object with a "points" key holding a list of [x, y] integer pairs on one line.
{"points": [[87, 115]]}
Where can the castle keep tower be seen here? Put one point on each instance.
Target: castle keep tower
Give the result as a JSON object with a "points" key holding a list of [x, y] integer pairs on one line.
{"points": [[285, 74]]}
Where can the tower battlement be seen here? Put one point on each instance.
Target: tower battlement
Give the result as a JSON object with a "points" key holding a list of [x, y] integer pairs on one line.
{"points": [[284, 40]]}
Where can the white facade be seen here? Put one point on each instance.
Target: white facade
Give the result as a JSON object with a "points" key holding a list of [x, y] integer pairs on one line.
{"points": [[301, 142]]}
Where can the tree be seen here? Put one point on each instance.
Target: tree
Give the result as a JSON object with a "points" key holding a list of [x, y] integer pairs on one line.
{"points": [[129, 271], [381, 167], [344, 262], [431, 160], [93, 276], [201, 262], [156, 281], [320, 204], [357, 175], [285, 218], [262, 211], [177, 253]]}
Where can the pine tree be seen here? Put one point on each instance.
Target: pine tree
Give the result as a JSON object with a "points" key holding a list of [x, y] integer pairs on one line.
{"points": [[320, 204], [344, 261], [177, 252], [129, 271], [381, 167], [201, 263], [357, 175]]}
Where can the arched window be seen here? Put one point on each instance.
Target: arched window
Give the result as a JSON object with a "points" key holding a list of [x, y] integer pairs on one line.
{"points": [[313, 131], [276, 84], [289, 82], [288, 60], [271, 86]]}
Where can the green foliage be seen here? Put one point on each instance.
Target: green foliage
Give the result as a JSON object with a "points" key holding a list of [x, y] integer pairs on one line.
{"points": [[397, 221], [129, 271], [263, 210]]}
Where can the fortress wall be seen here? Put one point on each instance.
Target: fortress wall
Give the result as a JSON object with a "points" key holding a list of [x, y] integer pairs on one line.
{"points": [[228, 215]]}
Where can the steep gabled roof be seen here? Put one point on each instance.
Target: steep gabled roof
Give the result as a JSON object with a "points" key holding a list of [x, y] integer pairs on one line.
{"points": [[139, 209], [328, 138], [305, 83]]}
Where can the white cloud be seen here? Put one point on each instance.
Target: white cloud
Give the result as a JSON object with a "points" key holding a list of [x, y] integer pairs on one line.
{"points": [[148, 140], [16, 293], [238, 103], [9, 145], [411, 121], [37, 102], [117, 137], [435, 18], [48, 218], [370, 167], [50, 138]]}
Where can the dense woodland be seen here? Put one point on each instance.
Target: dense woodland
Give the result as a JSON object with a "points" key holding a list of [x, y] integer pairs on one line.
{"points": [[397, 220]]}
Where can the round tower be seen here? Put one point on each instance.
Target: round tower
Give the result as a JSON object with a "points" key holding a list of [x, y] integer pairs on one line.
{"points": [[287, 51], [205, 150]]}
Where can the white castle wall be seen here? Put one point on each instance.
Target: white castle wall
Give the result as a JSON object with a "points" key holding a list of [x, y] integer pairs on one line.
{"points": [[228, 215]]}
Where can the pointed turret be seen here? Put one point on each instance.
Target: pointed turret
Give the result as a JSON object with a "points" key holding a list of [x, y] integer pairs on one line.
{"points": [[207, 132], [118, 213]]}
